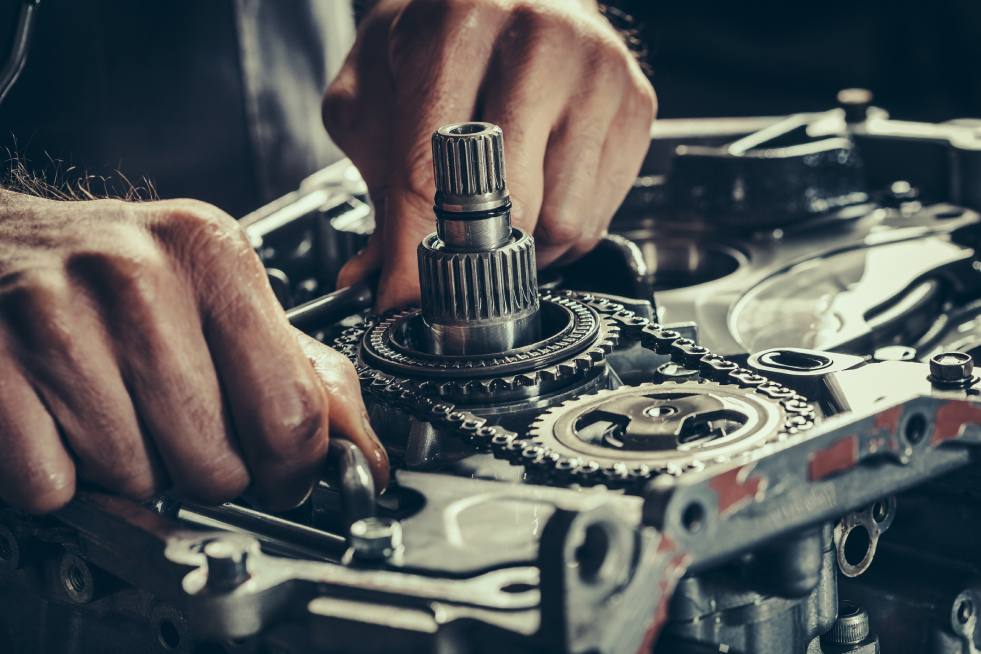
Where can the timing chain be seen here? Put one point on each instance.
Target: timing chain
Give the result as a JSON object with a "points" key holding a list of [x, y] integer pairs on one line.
{"points": [[538, 460]]}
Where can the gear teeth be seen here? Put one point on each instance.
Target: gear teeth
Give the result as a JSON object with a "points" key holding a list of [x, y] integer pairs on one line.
{"points": [[527, 379], [630, 475]]}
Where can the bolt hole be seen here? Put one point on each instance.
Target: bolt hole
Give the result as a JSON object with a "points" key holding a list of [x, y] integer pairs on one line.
{"points": [[591, 554], [857, 544], [965, 611], [693, 517], [880, 511], [517, 587], [915, 430], [169, 635], [75, 580]]}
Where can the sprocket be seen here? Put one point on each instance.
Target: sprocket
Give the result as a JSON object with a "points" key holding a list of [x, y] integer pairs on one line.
{"points": [[635, 432]]}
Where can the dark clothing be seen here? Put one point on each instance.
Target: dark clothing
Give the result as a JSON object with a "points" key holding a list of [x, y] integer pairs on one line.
{"points": [[212, 99]]}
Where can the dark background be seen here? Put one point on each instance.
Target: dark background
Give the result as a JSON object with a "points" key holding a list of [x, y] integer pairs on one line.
{"points": [[921, 59], [103, 75]]}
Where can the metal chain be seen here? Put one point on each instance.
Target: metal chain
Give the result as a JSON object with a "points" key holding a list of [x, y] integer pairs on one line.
{"points": [[549, 466]]}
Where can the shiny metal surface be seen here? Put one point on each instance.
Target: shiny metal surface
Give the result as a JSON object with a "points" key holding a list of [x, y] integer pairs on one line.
{"points": [[477, 274], [468, 161]]}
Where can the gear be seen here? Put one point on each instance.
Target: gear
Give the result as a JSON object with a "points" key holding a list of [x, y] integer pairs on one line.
{"points": [[582, 332], [632, 432]]}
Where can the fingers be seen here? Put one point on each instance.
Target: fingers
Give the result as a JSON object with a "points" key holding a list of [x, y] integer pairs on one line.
{"points": [[516, 99], [434, 81], [364, 264], [277, 405], [59, 340], [348, 416], [167, 367], [36, 472], [595, 153]]}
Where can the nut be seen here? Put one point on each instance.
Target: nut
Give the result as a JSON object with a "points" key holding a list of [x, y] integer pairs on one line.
{"points": [[375, 538], [951, 368]]}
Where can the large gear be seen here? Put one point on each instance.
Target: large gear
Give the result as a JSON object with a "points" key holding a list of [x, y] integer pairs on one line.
{"points": [[585, 332], [657, 428]]}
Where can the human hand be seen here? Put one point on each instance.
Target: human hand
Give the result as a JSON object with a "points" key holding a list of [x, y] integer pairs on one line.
{"points": [[142, 349], [572, 101]]}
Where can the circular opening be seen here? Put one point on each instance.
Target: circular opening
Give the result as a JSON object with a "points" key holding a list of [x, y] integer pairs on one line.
{"points": [[693, 517], [915, 430], [674, 262], [168, 634], [75, 580], [467, 128], [591, 554], [965, 611], [793, 360], [880, 511], [661, 411], [857, 544]]}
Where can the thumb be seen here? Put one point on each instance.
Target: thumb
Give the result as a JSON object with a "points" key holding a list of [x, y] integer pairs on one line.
{"points": [[409, 219], [362, 265]]}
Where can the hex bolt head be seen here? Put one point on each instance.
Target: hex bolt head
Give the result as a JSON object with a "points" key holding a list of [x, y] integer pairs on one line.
{"points": [[375, 539], [951, 368], [227, 564]]}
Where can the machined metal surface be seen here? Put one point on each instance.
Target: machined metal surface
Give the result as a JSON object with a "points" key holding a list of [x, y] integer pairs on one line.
{"points": [[616, 483]]}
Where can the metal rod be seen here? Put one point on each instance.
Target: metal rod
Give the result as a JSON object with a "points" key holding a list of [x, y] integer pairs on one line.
{"points": [[332, 307]]}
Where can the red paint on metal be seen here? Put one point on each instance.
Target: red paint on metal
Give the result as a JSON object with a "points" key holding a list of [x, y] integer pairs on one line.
{"points": [[889, 419], [951, 419], [837, 457], [673, 572], [734, 487]]}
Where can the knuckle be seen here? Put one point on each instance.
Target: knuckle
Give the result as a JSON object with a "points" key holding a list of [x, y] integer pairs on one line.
{"points": [[217, 480], [47, 494], [200, 234], [339, 109], [192, 221], [130, 270], [531, 17], [36, 303], [296, 429], [642, 102], [558, 231]]}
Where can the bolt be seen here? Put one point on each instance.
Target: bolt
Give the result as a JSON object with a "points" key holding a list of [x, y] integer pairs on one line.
{"points": [[851, 632], [951, 369], [855, 103], [375, 539], [227, 564]]}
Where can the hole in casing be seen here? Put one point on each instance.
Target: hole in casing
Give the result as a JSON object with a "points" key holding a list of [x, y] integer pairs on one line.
{"points": [[857, 544], [915, 429], [693, 517], [793, 360]]}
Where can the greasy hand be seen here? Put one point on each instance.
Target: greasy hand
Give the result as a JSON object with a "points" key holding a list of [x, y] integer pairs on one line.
{"points": [[574, 105], [142, 349]]}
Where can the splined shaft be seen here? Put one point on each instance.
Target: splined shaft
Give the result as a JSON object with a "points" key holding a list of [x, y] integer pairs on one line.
{"points": [[477, 272]]}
